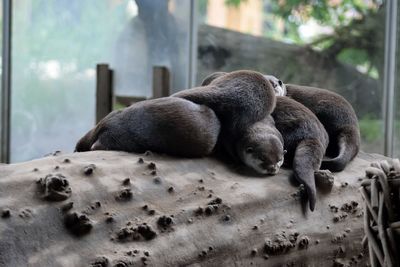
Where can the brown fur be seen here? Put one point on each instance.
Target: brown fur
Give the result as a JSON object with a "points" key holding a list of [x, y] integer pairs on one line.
{"points": [[239, 99], [212, 77], [334, 112], [339, 120], [305, 140], [166, 125], [263, 144]]}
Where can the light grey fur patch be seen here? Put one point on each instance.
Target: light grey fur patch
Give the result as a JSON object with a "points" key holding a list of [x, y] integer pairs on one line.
{"points": [[279, 86], [256, 163]]}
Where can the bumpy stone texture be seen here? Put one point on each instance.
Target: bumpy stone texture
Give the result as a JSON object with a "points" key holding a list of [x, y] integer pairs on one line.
{"points": [[78, 224], [134, 210], [54, 187]]}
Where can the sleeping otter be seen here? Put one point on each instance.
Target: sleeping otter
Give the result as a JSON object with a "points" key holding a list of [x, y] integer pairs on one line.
{"points": [[337, 116], [261, 147], [166, 125], [339, 119], [239, 99], [305, 140], [333, 111]]}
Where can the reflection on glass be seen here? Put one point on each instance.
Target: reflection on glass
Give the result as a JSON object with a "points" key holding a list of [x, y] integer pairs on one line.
{"points": [[56, 45], [156, 36], [337, 45]]}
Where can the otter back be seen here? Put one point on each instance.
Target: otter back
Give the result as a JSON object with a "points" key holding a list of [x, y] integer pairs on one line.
{"points": [[166, 125]]}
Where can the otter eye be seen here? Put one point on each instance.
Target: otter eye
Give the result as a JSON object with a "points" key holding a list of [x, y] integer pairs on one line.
{"points": [[263, 158], [249, 150], [280, 82]]}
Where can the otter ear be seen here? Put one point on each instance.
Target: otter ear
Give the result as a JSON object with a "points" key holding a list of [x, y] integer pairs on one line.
{"points": [[284, 152], [249, 149]]}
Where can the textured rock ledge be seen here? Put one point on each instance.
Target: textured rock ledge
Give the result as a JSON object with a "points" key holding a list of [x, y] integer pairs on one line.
{"points": [[119, 209]]}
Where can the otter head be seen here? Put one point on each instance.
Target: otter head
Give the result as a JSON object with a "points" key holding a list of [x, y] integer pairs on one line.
{"points": [[262, 152], [279, 86]]}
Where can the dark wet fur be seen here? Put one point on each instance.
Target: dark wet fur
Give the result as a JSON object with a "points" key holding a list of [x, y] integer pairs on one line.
{"points": [[339, 120], [212, 77], [265, 139], [166, 125], [305, 140], [239, 99]]}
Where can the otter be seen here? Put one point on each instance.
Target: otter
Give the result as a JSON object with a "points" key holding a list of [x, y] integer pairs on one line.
{"points": [[279, 87], [305, 140], [261, 147], [339, 119], [239, 99], [174, 126], [335, 113]]}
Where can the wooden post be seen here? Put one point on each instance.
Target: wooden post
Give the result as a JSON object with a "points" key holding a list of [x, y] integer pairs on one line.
{"points": [[103, 91], [161, 81]]}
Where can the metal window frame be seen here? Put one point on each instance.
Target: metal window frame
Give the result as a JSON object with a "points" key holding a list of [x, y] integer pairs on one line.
{"points": [[193, 44], [389, 77], [6, 83]]}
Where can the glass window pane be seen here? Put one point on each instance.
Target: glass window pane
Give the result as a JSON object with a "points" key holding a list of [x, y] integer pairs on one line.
{"points": [[56, 46], [157, 36], [337, 45]]}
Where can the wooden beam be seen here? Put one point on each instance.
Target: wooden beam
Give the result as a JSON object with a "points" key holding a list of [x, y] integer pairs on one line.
{"points": [[104, 94], [161, 81]]}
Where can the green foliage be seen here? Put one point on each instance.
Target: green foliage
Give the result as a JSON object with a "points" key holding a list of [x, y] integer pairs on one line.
{"points": [[353, 56], [324, 12], [202, 10], [234, 3], [370, 128]]}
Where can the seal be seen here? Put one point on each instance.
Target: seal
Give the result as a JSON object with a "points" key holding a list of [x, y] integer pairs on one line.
{"points": [[305, 140], [261, 147], [239, 99], [174, 126]]}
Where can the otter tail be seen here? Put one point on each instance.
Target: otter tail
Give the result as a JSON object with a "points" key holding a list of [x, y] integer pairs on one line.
{"points": [[349, 145], [307, 160], [86, 142]]}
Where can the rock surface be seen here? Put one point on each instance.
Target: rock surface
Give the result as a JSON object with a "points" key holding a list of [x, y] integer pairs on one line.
{"points": [[215, 215]]}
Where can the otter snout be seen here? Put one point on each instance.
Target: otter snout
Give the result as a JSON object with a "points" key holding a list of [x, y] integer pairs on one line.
{"points": [[270, 169]]}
